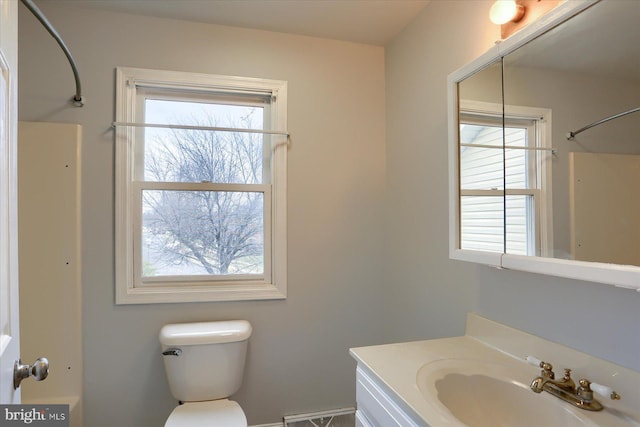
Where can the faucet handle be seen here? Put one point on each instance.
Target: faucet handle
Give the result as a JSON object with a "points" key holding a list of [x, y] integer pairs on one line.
{"points": [[547, 368], [587, 388], [604, 391], [532, 360]]}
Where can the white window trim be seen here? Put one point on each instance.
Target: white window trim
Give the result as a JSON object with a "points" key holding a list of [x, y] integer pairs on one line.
{"points": [[542, 118], [127, 292]]}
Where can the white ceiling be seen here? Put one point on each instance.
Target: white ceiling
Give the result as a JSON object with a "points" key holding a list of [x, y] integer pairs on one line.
{"points": [[374, 22], [604, 40]]}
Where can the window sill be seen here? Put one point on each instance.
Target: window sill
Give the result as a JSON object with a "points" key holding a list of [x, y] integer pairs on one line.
{"points": [[163, 294]]}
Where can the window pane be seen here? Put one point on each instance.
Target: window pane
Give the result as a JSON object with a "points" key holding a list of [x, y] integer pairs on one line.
{"points": [[481, 134], [482, 223], [516, 161], [194, 113], [481, 167], [520, 225], [179, 155], [202, 233]]}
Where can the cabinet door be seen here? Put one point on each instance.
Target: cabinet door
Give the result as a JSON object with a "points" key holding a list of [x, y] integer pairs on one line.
{"points": [[361, 420], [377, 407]]}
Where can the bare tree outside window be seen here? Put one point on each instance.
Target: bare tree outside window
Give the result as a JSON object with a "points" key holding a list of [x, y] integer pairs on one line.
{"points": [[205, 231]]}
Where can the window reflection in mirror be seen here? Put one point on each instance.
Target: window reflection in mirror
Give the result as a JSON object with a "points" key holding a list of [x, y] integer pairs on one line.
{"points": [[481, 161], [582, 202]]}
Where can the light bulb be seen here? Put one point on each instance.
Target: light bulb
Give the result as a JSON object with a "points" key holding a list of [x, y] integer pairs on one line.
{"points": [[504, 11]]}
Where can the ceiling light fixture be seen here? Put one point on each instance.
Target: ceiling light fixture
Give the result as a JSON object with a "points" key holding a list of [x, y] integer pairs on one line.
{"points": [[504, 11]]}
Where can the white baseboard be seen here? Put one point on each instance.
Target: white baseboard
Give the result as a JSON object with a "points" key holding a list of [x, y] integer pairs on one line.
{"points": [[291, 419]]}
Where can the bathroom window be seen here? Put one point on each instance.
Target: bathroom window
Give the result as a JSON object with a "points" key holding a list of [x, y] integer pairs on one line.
{"points": [[200, 187], [504, 193]]}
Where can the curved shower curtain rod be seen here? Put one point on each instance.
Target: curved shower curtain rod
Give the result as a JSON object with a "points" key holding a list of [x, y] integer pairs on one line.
{"points": [[78, 99], [571, 135]]}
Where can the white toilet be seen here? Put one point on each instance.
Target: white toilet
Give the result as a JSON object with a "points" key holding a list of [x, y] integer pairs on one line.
{"points": [[205, 363]]}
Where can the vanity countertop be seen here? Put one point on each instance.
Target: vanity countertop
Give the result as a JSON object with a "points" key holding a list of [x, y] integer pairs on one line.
{"points": [[396, 367]]}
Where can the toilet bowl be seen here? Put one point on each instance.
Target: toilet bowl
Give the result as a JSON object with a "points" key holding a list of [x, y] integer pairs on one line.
{"points": [[222, 413], [204, 363]]}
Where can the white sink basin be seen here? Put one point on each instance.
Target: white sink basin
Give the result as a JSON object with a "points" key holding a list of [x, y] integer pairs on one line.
{"points": [[484, 394]]}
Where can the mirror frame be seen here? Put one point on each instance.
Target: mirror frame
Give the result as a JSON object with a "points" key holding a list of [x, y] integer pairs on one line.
{"points": [[625, 276]]}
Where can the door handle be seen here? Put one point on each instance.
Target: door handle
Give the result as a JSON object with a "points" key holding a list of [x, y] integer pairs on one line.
{"points": [[39, 371]]}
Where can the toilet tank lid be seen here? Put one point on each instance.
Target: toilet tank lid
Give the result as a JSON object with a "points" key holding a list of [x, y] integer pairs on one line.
{"points": [[205, 332]]}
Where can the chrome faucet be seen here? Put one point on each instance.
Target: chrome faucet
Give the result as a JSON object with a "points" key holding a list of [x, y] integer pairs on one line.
{"points": [[565, 388]]}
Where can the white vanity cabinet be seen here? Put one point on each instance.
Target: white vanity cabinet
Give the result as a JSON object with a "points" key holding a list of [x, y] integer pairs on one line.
{"points": [[376, 405]]}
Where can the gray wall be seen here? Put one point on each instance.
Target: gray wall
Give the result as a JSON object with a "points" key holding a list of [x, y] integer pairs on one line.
{"points": [[594, 318], [430, 294], [298, 355]]}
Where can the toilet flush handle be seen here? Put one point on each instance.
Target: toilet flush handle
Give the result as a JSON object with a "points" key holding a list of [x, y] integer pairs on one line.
{"points": [[172, 352]]}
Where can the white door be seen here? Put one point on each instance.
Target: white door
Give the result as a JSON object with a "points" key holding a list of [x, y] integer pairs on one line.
{"points": [[9, 328]]}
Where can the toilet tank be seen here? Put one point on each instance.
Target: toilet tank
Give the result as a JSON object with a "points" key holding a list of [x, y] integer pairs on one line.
{"points": [[205, 360]]}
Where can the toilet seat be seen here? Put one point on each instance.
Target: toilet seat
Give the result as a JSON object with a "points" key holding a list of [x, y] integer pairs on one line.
{"points": [[211, 413]]}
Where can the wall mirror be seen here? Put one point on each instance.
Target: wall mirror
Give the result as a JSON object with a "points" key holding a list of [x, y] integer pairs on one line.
{"points": [[545, 147]]}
